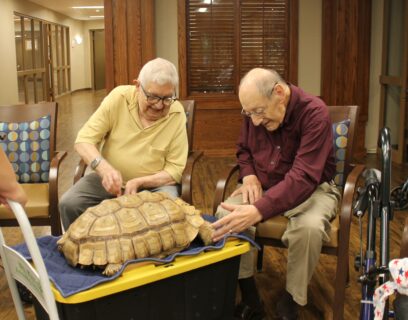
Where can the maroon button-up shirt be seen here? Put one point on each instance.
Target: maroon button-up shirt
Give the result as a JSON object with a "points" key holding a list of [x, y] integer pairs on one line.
{"points": [[293, 160]]}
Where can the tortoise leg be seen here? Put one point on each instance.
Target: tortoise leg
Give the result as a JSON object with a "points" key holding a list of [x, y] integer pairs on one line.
{"points": [[111, 269], [206, 231]]}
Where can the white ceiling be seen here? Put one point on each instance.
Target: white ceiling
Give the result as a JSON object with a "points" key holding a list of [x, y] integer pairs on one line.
{"points": [[65, 7]]}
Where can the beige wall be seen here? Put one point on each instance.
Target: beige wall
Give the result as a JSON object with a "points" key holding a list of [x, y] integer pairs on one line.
{"points": [[80, 56], [375, 71], [166, 30], [8, 78], [310, 45]]}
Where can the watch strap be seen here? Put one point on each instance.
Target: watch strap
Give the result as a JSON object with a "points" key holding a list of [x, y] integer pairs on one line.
{"points": [[95, 162]]}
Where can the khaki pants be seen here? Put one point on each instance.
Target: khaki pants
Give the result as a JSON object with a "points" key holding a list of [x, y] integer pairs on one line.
{"points": [[308, 227]]}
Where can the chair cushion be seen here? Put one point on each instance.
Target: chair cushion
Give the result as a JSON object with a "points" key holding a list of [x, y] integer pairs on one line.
{"points": [[37, 205], [275, 227], [340, 132], [27, 145]]}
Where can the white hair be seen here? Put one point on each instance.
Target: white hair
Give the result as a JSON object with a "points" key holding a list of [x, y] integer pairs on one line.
{"points": [[263, 79], [160, 71]]}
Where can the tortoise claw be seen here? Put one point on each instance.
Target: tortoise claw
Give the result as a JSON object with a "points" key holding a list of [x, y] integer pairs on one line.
{"points": [[111, 269]]}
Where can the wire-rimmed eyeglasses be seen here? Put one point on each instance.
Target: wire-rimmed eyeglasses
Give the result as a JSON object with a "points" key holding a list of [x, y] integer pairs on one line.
{"points": [[258, 112]]}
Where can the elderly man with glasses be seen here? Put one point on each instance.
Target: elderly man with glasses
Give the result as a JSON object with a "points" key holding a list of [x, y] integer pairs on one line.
{"points": [[286, 158], [135, 140]]}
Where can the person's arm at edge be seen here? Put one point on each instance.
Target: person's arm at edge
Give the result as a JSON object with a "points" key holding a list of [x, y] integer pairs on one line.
{"points": [[9, 187]]}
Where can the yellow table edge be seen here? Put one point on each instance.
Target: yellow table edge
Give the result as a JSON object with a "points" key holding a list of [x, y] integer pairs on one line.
{"points": [[144, 273]]}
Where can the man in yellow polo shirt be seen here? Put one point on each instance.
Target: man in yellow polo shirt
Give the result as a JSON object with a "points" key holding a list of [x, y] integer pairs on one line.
{"points": [[135, 140]]}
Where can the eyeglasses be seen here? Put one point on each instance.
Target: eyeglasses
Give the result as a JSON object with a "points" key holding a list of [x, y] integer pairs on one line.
{"points": [[258, 112], [153, 99]]}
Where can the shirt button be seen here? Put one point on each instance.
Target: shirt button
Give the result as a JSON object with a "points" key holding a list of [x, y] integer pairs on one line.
{"points": [[278, 147], [272, 162]]}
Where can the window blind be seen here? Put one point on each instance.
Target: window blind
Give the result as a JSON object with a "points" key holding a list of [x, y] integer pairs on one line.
{"points": [[227, 38]]}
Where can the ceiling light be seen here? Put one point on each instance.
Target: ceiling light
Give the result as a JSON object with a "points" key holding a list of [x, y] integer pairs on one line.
{"points": [[96, 16], [88, 7]]}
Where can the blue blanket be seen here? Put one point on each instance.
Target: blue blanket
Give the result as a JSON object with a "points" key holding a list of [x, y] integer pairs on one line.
{"points": [[69, 280]]}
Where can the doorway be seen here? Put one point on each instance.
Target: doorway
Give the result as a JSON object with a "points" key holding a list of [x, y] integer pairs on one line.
{"points": [[98, 59], [42, 59]]}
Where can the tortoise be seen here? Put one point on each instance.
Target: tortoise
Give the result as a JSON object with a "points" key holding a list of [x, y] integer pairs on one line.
{"points": [[128, 227]]}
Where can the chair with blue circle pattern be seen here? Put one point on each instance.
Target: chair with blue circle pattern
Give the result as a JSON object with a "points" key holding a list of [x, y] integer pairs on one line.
{"points": [[269, 232], [28, 137]]}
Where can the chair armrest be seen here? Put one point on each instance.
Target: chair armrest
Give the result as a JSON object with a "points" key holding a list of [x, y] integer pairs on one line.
{"points": [[222, 183], [346, 209], [54, 215], [186, 178], [404, 241], [79, 170], [53, 174]]}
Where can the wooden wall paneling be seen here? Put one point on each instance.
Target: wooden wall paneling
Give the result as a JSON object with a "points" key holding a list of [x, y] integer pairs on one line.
{"points": [[134, 49], [147, 28], [217, 131], [109, 70], [294, 41], [129, 39], [346, 58], [121, 41], [182, 48]]}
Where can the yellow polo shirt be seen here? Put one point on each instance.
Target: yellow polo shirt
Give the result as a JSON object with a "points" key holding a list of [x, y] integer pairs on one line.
{"points": [[116, 129]]}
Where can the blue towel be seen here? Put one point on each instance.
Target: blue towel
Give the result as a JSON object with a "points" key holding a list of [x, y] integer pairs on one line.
{"points": [[69, 280]]}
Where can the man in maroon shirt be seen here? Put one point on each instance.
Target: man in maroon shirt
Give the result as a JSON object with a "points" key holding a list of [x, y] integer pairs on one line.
{"points": [[286, 158]]}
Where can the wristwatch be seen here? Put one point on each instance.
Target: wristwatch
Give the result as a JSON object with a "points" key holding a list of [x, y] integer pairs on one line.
{"points": [[95, 162]]}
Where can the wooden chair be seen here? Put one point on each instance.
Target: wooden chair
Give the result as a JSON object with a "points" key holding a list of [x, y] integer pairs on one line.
{"points": [[270, 232], [404, 241], [28, 137], [193, 156]]}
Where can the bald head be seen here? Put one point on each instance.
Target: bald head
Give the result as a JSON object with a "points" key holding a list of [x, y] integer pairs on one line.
{"points": [[262, 79]]}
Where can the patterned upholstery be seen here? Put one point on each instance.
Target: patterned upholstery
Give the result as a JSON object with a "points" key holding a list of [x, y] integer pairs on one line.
{"points": [[27, 145], [340, 133]]}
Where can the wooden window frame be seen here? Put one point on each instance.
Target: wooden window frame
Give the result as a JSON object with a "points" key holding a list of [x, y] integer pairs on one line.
{"points": [[230, 100]]}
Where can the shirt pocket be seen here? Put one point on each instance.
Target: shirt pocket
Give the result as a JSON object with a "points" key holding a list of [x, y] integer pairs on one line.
{"points": [[280, 164], [153, 160]]}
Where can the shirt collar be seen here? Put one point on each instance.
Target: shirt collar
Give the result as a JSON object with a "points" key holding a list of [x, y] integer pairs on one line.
{"points": [[293, 101]]}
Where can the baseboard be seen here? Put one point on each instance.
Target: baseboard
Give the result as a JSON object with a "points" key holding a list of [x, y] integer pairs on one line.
{"points": [[81, 89], [372, 150]]}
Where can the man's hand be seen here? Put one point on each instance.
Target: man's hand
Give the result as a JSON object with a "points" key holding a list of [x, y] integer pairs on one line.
{"points": [[111, 178], [251, 189], [132, 186], [240, 219]]}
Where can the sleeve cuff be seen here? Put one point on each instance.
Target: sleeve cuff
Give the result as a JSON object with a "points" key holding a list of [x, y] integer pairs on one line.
{"points": [[265, 207], [245, 171]]}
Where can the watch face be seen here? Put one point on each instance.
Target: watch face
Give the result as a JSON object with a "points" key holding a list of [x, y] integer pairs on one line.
{"points": [[95, 162]]}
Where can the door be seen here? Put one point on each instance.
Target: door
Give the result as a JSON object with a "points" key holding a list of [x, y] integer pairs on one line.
{"points": [[393, 79], [98, 54]]}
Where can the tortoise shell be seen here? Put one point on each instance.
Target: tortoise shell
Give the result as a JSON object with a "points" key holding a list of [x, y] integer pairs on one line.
{"points": [[129, 227]]}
